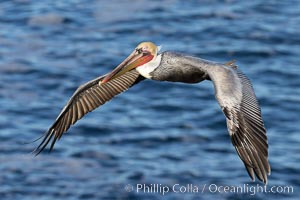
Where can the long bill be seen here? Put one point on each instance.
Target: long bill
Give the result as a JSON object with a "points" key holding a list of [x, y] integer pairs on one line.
{"points": [[134, 60]]}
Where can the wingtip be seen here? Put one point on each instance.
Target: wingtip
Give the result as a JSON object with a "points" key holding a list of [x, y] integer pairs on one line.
{"points": [[38, 151], [265, 180], [35, 152]]}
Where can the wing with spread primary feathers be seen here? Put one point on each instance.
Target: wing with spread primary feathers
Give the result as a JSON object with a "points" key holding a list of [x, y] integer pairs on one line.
{"points": [[86, 98], [237, 99]]}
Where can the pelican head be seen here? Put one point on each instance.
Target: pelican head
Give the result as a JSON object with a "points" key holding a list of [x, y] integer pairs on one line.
{"points": [[142, 54]]}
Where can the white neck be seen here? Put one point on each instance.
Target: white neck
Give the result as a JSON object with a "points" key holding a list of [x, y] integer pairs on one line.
{"points": [[149, 67]]}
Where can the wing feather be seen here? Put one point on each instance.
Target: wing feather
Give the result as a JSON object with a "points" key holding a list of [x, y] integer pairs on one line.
{"points": [[85, 99], [237, 99]]}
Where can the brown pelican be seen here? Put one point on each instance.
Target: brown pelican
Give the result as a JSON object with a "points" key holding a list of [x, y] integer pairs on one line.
{"points": [[233, 92]]}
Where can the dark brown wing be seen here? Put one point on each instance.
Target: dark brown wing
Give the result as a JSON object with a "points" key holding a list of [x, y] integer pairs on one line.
{"points": [[237, 99], [85, 99]]}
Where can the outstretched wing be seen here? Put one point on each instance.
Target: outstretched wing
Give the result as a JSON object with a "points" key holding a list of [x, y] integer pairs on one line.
{"points": [[86, 98], [236, 97]]}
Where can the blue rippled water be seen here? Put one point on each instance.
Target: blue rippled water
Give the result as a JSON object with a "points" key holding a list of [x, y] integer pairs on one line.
{"points": [[156, 133]]}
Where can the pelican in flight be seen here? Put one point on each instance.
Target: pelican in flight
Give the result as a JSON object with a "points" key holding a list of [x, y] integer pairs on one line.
{"points": [[233, 91]]}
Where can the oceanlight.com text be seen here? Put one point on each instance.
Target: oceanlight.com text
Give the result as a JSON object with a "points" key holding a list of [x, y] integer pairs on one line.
{"points": [[163, 189]]}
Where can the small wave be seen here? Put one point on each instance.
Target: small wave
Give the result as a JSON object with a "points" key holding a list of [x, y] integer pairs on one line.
{"points": [[46, 19], [94, 154], [15, 68]]}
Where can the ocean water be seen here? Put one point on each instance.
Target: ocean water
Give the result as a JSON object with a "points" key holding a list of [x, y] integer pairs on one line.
{"points": [[155, 133]]}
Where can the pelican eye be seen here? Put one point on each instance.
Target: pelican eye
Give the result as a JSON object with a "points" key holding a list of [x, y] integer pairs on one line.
{"points": [[139, 51]]}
